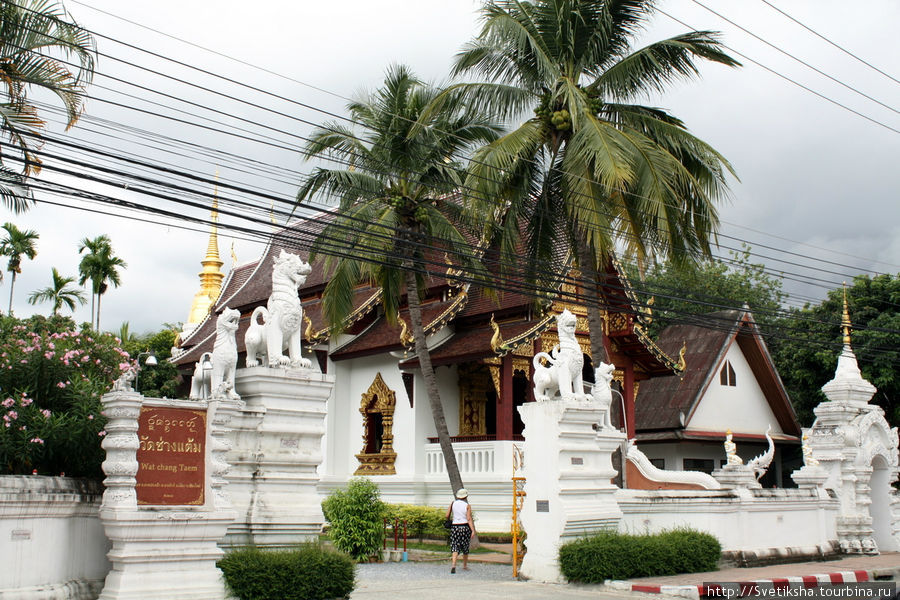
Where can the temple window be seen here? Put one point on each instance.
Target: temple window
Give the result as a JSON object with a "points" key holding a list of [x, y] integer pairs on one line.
{"points": [[727, 376], [704, 465], [377, 409]]}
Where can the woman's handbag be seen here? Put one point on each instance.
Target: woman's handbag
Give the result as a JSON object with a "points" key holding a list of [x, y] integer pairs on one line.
{"points": [[448, 522]]}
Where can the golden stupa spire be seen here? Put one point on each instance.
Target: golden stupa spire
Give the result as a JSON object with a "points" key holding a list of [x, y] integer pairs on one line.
{"points": [[211, 275], [845, 319]]}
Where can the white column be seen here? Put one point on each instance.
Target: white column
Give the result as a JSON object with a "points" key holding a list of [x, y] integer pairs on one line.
{"points": [[276, 451], [568, 472]]}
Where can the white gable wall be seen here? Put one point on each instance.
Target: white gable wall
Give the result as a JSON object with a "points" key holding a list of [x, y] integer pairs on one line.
{"points": [[411, 428], [742, 408]]}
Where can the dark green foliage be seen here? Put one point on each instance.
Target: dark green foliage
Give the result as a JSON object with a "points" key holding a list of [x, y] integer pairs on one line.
{"points": [[162, 379], [610, 555], [683, 293], [310, 572], [807, 359], [356, 516], [421, 521]]}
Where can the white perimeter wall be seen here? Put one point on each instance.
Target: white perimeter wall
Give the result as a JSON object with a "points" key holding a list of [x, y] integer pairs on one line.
{"points": [[749, 520], [52, 543]]}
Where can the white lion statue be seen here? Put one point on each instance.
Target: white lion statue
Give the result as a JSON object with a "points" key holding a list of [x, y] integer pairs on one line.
{"points": [[281, 319], [563, 370], [224, 355], [200, 382], [602, 392]]}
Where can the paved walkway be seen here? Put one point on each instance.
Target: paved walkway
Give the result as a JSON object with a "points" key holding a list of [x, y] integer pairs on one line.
{"points": [[490, 578]]}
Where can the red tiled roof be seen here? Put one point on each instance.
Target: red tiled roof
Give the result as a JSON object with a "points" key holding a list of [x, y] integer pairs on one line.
{"points": [[662, 401], [470, 344], [383, 337]]}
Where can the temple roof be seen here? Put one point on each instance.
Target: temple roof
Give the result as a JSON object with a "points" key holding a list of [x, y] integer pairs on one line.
{"points": [[667, 403], [463, 307]]}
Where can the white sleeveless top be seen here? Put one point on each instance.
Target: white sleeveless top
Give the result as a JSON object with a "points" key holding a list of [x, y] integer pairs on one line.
{"points": [[459, 512]]}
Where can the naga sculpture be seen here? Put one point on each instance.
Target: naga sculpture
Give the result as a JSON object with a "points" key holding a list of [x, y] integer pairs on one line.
{"points": [[760, 464], [563, 370], [280, 328], [602, 392], [224, 355]]}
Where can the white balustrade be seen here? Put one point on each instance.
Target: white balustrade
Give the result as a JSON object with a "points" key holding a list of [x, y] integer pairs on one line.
{"points": [[474, 458]]}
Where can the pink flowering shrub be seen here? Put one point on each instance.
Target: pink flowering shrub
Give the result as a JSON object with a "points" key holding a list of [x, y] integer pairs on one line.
{"points": [[51, 380]]}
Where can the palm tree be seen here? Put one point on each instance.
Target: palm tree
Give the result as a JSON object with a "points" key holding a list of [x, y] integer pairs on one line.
{"points": [[58, 293], [100, 266], [589, 166], [393, 204], [31, 33], [17, 244]]}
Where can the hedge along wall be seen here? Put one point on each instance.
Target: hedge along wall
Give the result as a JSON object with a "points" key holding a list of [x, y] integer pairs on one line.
{"points": [[52, 543]]}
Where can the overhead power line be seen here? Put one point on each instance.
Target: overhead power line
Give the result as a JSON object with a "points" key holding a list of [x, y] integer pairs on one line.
{"points": [[829, 41]]}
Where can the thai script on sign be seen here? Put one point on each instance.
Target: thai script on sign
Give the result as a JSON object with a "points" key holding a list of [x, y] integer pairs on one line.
{"points": [[165, 446], [155, 422]]}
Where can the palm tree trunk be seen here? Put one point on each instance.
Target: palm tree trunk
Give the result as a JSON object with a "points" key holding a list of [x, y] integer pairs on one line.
{"points": [[434, 398], [12, 284], [97, 329], [587, 262]]}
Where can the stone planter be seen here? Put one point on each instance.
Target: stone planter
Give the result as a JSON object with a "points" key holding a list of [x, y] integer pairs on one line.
{"points": [[52, 543]]}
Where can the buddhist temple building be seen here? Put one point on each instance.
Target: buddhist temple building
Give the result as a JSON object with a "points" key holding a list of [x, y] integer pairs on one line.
{"points": [[379, 423]]}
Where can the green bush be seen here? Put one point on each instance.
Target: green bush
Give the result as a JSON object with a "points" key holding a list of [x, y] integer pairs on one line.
{"points": [[610, 555], [356, 517], [309, 572], [421, 521]]}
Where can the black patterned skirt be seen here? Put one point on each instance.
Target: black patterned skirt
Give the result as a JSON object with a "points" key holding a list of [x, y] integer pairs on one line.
{"points": [[460, 534]]}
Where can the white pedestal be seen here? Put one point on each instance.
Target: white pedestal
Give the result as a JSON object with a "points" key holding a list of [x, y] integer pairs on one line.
{"points": [[276, 450], [736, 476], [568, 468], [161, 551]]}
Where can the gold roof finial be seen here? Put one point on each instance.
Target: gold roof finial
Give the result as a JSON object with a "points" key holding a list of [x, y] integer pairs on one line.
{"points": [[682, 363], [845, 319], [211, 275], [406, 338], [497, 342]]}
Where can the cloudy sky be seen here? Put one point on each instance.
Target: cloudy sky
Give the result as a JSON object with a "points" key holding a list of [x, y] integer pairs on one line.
{"points": [[816, 180]]}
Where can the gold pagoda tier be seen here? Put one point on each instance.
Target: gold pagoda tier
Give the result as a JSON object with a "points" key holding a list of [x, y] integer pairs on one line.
{"points": [[211, 275]]}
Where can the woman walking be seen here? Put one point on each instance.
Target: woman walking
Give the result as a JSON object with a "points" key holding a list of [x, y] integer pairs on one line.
{"points": [[462, 529]]}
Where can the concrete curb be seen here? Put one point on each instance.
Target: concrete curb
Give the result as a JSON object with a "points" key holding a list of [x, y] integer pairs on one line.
{"points": [[740, 589]]}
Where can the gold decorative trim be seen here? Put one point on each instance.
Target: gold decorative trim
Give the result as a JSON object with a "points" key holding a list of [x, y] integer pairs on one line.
{"points": [[451, 311], [512, 344], [521, 364], [656, 351]]}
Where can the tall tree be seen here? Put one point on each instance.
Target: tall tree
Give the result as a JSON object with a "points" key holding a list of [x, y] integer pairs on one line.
{"points": [[686, 292], [17, 244], [40, 47], [589, 166], [58, 293], [101, 267], [393, 205]]}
